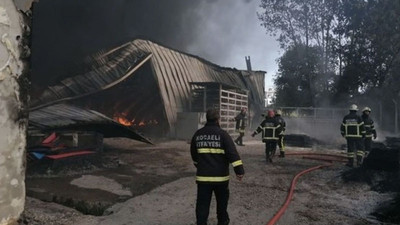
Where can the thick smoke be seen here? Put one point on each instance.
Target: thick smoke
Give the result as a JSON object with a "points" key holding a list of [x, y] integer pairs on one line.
{"points": [[65, 32], [221, 31]]}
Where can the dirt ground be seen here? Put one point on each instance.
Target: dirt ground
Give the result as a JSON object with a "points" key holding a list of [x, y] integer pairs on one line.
{"points": [[140, 184]]}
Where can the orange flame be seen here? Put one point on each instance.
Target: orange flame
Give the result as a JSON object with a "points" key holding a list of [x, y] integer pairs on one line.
{"points": [[121, 118], [123, 121]]}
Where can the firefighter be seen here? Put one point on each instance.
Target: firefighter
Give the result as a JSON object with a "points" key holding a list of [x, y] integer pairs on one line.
{"points": [[278, 116], [240, 126], [270, 129], [369, 129], [352, 128], [212, 150]]}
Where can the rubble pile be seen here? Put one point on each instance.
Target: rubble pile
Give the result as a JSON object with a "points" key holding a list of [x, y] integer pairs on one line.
{"points": [[381, 170]]}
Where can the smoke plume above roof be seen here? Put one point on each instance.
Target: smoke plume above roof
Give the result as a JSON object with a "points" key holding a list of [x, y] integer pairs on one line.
{"points": [[65, 32]]}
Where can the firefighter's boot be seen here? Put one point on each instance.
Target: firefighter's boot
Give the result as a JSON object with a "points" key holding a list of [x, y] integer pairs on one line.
{"points": [[350, 162], [281, 154]]}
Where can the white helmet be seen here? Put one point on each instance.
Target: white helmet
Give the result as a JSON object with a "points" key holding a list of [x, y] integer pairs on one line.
{"points": [[367, 109], [353, 107], [278, 112]]}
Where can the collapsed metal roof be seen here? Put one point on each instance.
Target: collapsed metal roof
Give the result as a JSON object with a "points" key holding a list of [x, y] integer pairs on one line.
{"points": [[68, 117], [172, 70]]}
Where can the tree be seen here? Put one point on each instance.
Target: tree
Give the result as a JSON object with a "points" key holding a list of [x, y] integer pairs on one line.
{"points": [[305, 25], [359, 40], [371, 31], [298, 82]]}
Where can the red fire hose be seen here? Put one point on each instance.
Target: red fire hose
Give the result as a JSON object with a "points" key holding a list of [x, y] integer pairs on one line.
{"points": [[282, 210]]}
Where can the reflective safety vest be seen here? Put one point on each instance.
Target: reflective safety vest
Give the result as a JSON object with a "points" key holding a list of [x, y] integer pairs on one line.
{"points": [[212, 150], [352, 126], [270, 128]]}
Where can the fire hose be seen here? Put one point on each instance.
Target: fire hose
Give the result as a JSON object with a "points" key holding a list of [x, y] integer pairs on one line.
{"points": [[325, 157]]}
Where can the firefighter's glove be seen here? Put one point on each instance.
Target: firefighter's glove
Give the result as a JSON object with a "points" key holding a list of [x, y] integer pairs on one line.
{"points": [[374, 136], [253, 134]]}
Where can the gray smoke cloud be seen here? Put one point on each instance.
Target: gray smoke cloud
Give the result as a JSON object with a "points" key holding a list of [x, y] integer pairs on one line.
{"points": [[221, 31]]}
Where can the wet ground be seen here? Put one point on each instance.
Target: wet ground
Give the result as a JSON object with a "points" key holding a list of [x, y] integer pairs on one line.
{"points": [[134, 183]]}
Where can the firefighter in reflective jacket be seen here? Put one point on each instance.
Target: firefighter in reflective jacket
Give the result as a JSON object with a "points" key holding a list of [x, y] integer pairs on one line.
{"points": [[369, 129], [353, 130], [212, 150], [240, 126], [270, 128], [278, 116]]}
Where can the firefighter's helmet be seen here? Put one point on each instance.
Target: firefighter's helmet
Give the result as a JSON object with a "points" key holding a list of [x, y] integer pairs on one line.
{"points": [[270, 113], [368, 109], [353, 107], [278, 112]]}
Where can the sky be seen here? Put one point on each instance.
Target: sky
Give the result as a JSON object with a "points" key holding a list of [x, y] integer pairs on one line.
{"points": [[65, 32]]}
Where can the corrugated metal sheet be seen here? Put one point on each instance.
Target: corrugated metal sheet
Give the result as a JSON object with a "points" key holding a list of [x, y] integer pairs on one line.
{"points": [[68, 117], [173, 71], [107, 70]]}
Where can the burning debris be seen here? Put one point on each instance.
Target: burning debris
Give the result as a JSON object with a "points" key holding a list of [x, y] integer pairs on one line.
{"points": [[62, 117]]}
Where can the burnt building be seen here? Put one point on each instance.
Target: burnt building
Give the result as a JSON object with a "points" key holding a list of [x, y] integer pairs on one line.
{"points": [[145, 85]]}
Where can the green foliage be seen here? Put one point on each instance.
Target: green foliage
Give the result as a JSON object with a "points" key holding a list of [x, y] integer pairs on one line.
{"points": [[298, 82], [336, 50]]}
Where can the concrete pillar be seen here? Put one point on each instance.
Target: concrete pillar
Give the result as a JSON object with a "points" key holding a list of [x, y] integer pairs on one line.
{"points": [[13, 120]]}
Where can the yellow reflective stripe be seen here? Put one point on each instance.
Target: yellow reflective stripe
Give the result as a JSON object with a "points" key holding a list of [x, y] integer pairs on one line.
{"points": [[350, 135], [212, 179], [271, 138], [353, 125], [350, 154], [237, 163], [360, 153], [211, 150]]}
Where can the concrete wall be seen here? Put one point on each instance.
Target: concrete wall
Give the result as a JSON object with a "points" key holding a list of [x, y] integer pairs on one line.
{"points": [[12, 120]]}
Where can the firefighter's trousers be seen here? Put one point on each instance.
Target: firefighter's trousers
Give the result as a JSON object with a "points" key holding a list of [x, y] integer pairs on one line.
{"points": [[280, 143], [239, 139], [270, 148], [355, 148], [204, 194]]}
